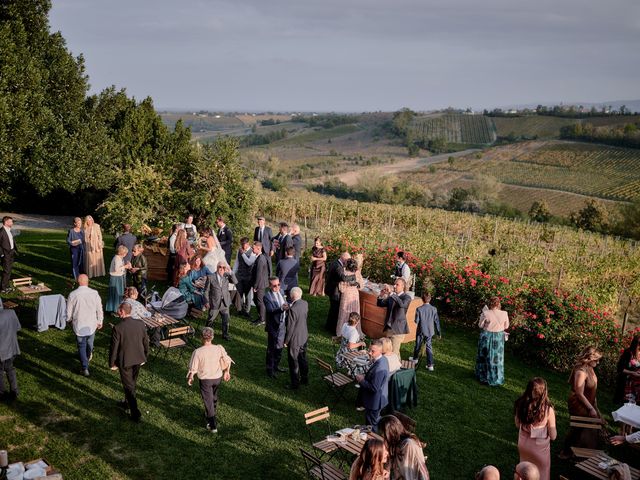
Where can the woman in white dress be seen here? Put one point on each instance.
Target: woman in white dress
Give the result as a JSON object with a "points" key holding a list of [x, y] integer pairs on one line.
{"points": [[212, 251]]}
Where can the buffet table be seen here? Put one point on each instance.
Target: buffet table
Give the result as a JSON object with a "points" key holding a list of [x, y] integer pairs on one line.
{"points": [[372, 316]]}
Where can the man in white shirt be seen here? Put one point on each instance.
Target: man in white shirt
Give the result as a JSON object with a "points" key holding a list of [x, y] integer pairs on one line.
{"points": [[172, 251], [8, 252], [402, 270], [84, 311], [242, 269]]}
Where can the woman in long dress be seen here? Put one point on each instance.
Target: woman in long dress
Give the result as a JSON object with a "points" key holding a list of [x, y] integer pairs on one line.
{"points": [[536, 421], [351, 341], [490, 358], [582, 401], [93, 254], [75, 240], [628, 373], [350, 297], [117, 279], [214, 253], [318, 267]]}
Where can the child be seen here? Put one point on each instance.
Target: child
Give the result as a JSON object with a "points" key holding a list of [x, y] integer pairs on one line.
{"points": [[428, 323]]}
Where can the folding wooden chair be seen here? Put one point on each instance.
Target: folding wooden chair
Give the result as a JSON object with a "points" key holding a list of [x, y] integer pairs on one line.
{"points": [[335, 343], [316, 468], [586, 422], [178, 337], [314, 417], [336, 381], [21, 282]]}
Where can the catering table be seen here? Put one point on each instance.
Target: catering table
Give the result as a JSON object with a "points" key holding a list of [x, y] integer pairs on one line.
{"points": [[372, 316]]}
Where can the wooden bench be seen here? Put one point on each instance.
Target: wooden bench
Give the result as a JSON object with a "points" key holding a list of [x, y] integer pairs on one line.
{"points": [[319, 469], [336, 381], [21, 282]]}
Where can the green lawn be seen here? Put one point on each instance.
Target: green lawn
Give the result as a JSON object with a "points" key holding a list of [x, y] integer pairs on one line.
{"points": [[73, 421]]}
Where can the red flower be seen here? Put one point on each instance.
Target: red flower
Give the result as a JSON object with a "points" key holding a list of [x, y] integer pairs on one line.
{"points": [[540, 336]]}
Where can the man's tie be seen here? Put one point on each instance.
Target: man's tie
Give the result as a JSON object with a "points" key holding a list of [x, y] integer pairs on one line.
{"points": [[260, 236]]}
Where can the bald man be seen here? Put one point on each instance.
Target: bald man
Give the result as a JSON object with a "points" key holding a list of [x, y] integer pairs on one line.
{"points": [[526, 471], [488, 473], [84, 311]]}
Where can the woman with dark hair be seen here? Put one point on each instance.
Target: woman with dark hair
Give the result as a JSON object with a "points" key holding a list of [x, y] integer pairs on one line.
{"points": [[318, 267], [628, 378], [536, 421], [75, 240], [405, 450], [582, 401], [490, 358], [371, 464], [198, 269], [188, 290], [350, 296]]}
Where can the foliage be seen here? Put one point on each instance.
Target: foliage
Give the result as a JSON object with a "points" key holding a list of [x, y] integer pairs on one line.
{"points": [[329, 120], [262, 139], [593, 216], [626, 135], [451, 128], [539, 211]]}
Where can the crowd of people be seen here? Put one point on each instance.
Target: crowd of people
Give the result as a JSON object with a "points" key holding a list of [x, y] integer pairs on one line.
{"points": [[265, 274]]}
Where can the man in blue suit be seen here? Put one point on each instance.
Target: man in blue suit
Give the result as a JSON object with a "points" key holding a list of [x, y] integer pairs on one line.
{"points": [[287, 271], [276, 306], [374, 388], [428, 324]]}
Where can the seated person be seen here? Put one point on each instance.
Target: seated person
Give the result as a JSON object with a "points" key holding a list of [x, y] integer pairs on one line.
{"points": [[138, 310], [188, 290], [631, 438], [198, 269], [350, 342], [394, 360]]}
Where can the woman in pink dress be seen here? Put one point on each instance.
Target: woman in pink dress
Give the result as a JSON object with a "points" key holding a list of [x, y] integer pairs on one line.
{"points": [[350, 296], [536, 421]]}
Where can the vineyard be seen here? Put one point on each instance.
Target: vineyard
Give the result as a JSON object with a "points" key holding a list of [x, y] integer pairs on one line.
{"points": [[587, 169], [534, 126], [461, 129], [601, 267]]}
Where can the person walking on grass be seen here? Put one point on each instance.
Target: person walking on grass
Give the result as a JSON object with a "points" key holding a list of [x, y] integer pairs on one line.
{"points": [[84, 311], [212, 365], [428, 324]]}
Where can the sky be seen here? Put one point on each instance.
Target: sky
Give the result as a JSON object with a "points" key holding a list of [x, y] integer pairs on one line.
{"points": [[356, 55]]}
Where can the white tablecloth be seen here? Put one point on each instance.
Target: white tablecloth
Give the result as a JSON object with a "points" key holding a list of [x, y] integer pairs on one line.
{"points": [[629, 414]]}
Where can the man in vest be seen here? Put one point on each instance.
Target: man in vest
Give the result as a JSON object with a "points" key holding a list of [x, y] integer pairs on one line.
{"points": [[245, 259]]}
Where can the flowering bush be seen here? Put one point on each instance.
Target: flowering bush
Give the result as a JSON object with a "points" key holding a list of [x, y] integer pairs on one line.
{"points": [[547, 326]]}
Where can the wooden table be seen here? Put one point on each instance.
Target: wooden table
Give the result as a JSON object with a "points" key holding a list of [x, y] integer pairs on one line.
{"points": [[33, 290], [590, 465], [355, 446], [158, 320], [372, 316]]}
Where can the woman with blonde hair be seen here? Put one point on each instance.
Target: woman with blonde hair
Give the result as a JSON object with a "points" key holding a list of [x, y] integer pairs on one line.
{"points": [[536, 421], [117, 279], [490, 357], [138, 310], [94, 245], [394, 360], [582, 401], [371, 464]]}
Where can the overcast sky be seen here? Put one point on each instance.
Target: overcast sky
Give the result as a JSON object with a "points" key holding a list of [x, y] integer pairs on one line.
{"points": [[356, 55]]}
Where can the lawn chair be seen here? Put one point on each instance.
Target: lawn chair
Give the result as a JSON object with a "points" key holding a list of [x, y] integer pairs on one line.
{"points": [[316, 468], [320, 415], [336, 381], [586, 422], [335, 343], [179, 337], [21, 282]]}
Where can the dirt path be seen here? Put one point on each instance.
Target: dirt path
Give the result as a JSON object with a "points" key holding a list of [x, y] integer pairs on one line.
{"points": [[28, 221], [352, 177]]}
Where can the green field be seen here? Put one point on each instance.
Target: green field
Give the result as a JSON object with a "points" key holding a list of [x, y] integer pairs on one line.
{"points": [[318, 135], [460, 129], [588, 169], [201, 123], [74, 423], [535, 126]]}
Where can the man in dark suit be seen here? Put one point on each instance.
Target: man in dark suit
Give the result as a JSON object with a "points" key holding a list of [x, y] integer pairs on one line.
{"points": [[242, 267], [259, 281], [8, 251], [127, 239], [9, 349], [395, 322], [281, 242], [287, 271], [225, 237], [374, 385], [335, 275], [276, 307], [128, 352], [217, 297], [428, 324], [296, 240], [263, 234], [296, 340]]}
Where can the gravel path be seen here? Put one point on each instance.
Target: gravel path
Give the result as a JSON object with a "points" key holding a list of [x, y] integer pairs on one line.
{"points": [[28, 221]]}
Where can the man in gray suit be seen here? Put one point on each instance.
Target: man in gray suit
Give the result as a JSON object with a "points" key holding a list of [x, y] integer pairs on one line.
{"points": [[296, 340], [218, 298], [428, 324], [9, 348]]}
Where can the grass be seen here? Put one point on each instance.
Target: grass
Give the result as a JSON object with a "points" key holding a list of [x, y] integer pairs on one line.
{"points": [[316, 135], [74, 423]]}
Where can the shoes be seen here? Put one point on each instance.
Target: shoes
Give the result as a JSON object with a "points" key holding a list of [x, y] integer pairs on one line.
{"points": [[85, 372], [137, 418], [288, 386], [281, 370], [6, 290], [212, 425], [257, 323], [360, 409], [90, 356], [123, 404], [430, 368], [271, 375]]}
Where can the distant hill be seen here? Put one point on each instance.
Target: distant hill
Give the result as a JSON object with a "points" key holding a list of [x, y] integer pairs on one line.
{"points": [[631, 105]]}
